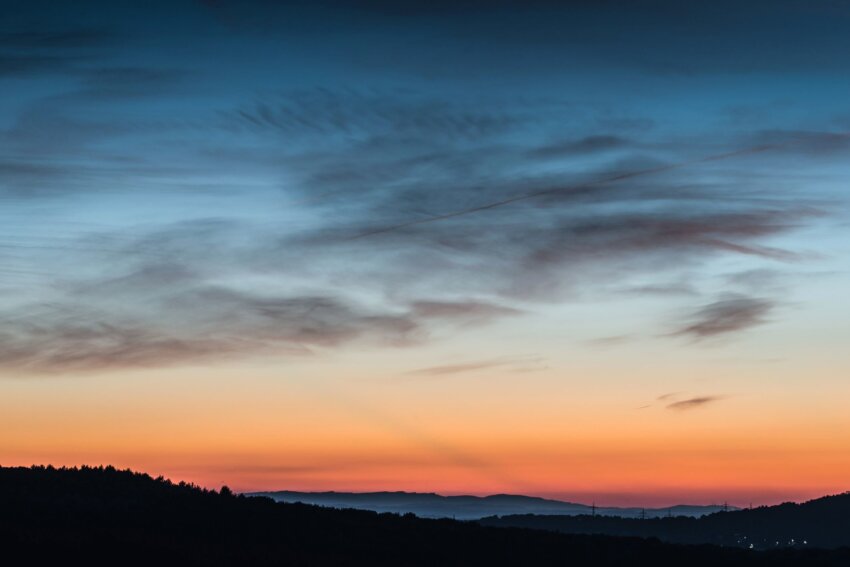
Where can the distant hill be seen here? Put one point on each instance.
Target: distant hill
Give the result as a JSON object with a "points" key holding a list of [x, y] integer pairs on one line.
{"points": [[103, 516], [824, 523], [429, 505]]}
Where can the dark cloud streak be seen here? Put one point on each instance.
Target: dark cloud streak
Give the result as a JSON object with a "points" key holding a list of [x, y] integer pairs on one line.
{"points": [[511, 363], [727, 316], [558, 190], [694, 403], [196, 325]]}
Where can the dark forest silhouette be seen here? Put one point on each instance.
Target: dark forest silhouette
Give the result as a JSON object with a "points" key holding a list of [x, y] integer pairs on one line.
{"points": [[824, 522], [107, 516]]}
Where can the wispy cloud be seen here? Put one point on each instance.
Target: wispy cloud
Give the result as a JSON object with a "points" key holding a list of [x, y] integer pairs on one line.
{"points": [[323, 111], [463, 311], [727, 316], [26, 52], [190, 326], [693, 403], [668, 396], [583, 146], [609, 341], [512, 363]]}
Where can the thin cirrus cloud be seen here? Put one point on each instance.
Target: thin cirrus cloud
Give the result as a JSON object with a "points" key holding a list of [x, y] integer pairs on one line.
{"points": [[520, 364], [200, 325], [668, 396], [584, 146], [356, 113], [678, 401], [465, 311], [727, 316], [693, 403]]}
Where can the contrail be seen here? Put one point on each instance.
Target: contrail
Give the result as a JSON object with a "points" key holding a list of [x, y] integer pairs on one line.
{"points": [[587, 185]]}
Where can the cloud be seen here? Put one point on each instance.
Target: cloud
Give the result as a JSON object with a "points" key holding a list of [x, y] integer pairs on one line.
{"points": [[25, 53], [665, 289], [514, 363], [708, 229], [668, 396], [810, 142], [316, 219], [583, 146], [677, 402], [167, 294], [70, 347], [693, 403], [609, 341], [196, 325], [727, 316], [467, 311], [354, 113]]}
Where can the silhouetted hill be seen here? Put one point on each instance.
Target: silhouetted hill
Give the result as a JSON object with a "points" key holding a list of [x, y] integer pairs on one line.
{"points": [[102, 516], [429, 505], [824, 523]]}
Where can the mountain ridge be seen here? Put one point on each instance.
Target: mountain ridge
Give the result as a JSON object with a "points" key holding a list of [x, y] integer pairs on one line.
{"points": [[471, 507]]}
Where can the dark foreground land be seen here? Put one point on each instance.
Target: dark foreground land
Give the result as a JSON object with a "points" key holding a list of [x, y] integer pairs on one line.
{"points": [[822, 523], [102, 516]]}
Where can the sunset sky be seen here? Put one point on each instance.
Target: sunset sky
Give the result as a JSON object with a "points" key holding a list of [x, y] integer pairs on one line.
{"points": [[595, 251]]}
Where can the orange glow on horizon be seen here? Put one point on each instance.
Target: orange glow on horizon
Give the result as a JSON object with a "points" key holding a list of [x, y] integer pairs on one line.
{"points": [[486, 434]]}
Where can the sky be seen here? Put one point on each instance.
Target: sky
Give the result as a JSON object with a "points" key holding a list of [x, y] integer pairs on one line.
{"points": [[595, 251]]}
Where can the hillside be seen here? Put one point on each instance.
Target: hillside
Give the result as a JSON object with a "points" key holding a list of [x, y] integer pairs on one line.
{"points": [[824, 522], [429, 505], [104, 516]]}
